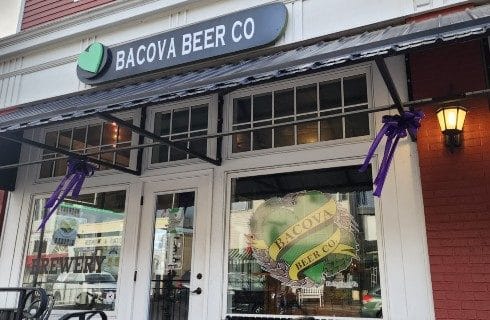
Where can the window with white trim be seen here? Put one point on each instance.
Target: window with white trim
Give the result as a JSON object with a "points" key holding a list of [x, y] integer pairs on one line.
{"points": [[76, 257], [177, 125], [305, 101], [90, 138]]}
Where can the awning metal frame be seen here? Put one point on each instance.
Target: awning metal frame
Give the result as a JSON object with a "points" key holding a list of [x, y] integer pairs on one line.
{"points": [[9, 137], [142, 132], [219, 135], [390, 85]]}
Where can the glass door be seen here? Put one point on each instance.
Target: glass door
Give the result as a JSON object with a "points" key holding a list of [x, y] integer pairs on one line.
{"points": [[172, 264]]}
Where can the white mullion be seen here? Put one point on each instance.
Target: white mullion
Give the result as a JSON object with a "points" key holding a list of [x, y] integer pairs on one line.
{"points": [[170, 133], [295, 128], [71, 139], [101, 134], [85, 142], [317, 111], [114, 153], [343, 107], [187, 156], [272, 119], [358, 104], [252, 122], [55, 161], [70, 145]]}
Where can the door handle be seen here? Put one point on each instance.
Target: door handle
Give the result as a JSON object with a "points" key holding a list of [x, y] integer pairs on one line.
{"points": [[197, 291]]}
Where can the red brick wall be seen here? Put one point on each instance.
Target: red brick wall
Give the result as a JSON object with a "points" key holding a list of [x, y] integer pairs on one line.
{"points": [[37, 12], [456, 187]]}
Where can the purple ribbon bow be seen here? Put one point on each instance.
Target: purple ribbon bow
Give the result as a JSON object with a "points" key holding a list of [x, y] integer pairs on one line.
{"points": [[395, 127], [78, 170]]}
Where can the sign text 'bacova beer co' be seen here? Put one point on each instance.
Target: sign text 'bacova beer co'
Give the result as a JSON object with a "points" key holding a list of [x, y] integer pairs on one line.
{"points": [[252, 28]]}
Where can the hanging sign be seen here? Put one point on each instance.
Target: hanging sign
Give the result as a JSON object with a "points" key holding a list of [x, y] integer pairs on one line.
{"points": [[251, 28]]}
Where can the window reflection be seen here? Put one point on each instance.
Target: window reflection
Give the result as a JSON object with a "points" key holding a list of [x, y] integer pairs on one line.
{"points": [[297, 103], [76, 257], [172, 256], [180, 124], [87, 139], [304, 243]]}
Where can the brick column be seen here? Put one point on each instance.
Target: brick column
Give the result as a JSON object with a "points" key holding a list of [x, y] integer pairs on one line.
{"points": [[456, 187]]}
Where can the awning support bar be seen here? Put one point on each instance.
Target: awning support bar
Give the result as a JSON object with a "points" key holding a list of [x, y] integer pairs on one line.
{"points": [[390, 84], [157, 138], [433, 101], [68, 153]]}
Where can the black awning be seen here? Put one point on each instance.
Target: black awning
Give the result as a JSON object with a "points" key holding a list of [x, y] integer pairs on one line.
{"points": [[322, 55]]}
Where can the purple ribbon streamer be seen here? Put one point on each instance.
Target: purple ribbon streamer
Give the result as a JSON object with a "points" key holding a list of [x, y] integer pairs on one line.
{"points": [[395, 127], [78, 170]]}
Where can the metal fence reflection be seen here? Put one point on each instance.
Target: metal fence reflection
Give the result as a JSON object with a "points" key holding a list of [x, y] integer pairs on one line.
{"points": [[169, 299]]}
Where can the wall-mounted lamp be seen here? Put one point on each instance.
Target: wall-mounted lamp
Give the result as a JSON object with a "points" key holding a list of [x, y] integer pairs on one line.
{"points": [[451, 120]]}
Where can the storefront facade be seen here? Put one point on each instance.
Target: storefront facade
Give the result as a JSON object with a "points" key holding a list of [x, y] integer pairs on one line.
{"points": [[274, 222]]}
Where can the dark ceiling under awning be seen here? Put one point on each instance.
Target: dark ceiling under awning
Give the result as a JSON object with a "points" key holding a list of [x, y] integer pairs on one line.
{"points": [[398, 39]]}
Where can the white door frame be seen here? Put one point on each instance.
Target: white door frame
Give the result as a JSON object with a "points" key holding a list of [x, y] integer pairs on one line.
{"points": [[201, 184]]}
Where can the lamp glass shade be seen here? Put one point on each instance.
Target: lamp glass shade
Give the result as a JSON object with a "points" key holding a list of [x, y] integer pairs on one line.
{"points": [[461, 117], [451, 118]]}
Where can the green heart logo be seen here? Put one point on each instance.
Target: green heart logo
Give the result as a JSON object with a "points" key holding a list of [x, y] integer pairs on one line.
{"points": [[91, 59], [303, 238]]}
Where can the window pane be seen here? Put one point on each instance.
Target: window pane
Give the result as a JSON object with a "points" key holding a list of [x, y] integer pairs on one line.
{"points": [[307, 132], [110, 133], [241, 141], [330, 95], [358, 124], [124, 134], [78, 142], [64, 140], [306, 99], [93, 136], [79, 259], [198, 145], [162, 124], [330, 129], [108, 156], [176, 154], [262, 107], [306, 245], [199, 118], [172, 256], [159, 154], [47, 167], [262, 139], [242, 110], [355, 90], [51, 138], [180, 121], [60, 166], [284, 136], [123, 156], [283, 103]]}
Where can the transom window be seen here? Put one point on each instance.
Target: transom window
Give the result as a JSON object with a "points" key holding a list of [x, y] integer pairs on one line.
{"points": [[298, 103], [180, 123], [90, 138]]}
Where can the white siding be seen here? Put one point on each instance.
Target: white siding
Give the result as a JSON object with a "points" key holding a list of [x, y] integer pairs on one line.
{"points": [[47, 54]]}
